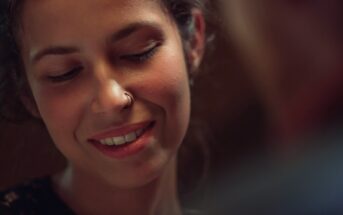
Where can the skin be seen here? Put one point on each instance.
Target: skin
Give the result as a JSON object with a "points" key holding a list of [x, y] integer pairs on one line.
{"points": [[91, 99], [294, 50]]}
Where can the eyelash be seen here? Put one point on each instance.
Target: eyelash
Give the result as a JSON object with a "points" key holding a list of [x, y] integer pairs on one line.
{"points": [[66, 76], [143, 56]]}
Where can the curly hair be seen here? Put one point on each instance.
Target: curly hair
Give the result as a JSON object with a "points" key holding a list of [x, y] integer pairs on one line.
{"points": [[13, 83]]}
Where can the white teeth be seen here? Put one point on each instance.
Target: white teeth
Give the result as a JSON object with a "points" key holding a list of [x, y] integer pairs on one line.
{"points": [[120, 140], [109, 141]]}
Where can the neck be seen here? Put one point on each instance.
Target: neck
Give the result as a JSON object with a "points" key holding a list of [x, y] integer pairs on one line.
{"points": [[86, 195]]}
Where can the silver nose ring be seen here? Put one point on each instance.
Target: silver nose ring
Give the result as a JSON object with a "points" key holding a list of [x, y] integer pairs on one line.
{"points": [[129, 99]]}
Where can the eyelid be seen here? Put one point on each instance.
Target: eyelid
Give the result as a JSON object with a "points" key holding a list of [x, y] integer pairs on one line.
{"points": [[65, 76], [149, 45], [146, 52]]}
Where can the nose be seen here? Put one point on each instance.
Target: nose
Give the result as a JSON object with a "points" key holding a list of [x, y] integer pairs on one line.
{"points": [[109, 96]]}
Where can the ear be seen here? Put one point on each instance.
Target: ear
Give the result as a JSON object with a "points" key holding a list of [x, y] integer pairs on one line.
{"points": [[196, 43]]}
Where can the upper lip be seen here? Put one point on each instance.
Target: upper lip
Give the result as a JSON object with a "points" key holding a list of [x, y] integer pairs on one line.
{"points": [[119, 131]]}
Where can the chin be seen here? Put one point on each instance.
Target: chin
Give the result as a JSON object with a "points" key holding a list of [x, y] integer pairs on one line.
{"points": [[146, 174]]}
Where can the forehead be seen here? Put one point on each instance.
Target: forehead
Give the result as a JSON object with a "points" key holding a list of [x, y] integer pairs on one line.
{"points": [[51, 22], [79, 5], [42, 11]]}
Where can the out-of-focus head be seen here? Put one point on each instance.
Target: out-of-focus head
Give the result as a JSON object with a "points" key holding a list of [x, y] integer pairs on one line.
{"points": [[293, 50]]}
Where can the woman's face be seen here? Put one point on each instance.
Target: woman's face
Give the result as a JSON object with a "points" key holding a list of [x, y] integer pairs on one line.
{"points": [[81, 56]]}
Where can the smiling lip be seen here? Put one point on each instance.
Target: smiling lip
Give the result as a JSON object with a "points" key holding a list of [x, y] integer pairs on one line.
{"points": [[115, 132], [127, 149]]}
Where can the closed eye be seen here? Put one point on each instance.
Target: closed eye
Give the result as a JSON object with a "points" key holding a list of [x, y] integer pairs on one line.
{"points": [[66, 76], [142, 56]]}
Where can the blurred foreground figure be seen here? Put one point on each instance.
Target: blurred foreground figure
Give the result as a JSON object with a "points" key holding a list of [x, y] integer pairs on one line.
{"points": [[294, 51], [310, 183]]}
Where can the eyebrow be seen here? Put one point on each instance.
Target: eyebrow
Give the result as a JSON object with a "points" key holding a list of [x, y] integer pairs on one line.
{"points": [[119, 35], [132, 28], [53, 50]]}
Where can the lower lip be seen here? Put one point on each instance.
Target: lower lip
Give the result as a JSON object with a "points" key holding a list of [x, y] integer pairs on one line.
{"points": [[129, 149]]}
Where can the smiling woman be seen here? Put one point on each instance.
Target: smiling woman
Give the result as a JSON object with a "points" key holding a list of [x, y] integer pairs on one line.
{"points": [[110, 81]]}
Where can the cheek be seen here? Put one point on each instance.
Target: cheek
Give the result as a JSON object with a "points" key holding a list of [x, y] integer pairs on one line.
{"points": [[168, 90], [166, 86], [59, 110], [166, 79]]}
